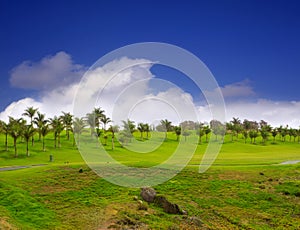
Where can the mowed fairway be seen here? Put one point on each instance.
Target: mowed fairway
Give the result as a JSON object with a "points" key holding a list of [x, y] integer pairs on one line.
{"points": [[246, 188]]}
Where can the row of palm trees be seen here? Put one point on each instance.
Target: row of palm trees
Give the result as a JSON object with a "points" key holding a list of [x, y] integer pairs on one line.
{"points": [[97, 121]]}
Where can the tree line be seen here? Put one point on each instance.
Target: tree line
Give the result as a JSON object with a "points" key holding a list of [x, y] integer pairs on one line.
{"points": [[97, 122]]}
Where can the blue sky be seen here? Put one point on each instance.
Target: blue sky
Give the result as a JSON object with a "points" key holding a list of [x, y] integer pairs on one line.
{"points": [[254, 45]]}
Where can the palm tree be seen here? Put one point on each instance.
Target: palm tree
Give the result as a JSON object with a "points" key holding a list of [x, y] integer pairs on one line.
{"points": [[200, 132], [16, 127], [78, 128], [92, 122], [253, 134], [177, 130], [167, 126], [28, 132], [264, 132], [141, 128], [128, 130], [40, 121], [44, 131], [283, 132], [230, 129], [98, 114], [207, 131], [57, 128], [237, 125], [274, 133], [294, 134], [105, 120], [30, 112], [217, 128], [147, 129], [4, 129], [245, 134], [113, 129], [67, 119]]}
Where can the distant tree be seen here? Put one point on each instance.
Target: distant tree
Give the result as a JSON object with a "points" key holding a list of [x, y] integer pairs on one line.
{"points": [[67, 120], [186, 133], [294, 133], [200, 131], [98, 115], [167, 126], [16, 127], [141, 128], [40, 121], [4, 128], [30, 112], [177, 130], [188, 125], [265, 131], [78, 128], [44, 131], [290, 132], [127, 132], [217, 128], [230, 129], [207, 131], [237, 126], [246, 125], [57, 128], [283, 131], [105, 120], [92, 121], [147, 129], [245, 134], [253, 134], [27, 133], [113, 129], [274, 133]]}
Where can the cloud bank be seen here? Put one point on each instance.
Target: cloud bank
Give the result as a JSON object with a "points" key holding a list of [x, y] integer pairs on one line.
{"points": [[49, 73], [131, 93]]}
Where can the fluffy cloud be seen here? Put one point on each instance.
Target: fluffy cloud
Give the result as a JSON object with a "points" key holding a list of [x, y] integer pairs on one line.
{"points": [[49, 73], [238, 90], [126, 88], [275, 113]]}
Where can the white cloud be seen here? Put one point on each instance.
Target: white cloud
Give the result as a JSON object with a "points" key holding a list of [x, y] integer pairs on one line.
{"points": [[238, 90], [126, 88], [275, 113], [47, 74]]}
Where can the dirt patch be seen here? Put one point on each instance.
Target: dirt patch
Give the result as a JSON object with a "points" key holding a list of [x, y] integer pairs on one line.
{"points": [[5, 225]]}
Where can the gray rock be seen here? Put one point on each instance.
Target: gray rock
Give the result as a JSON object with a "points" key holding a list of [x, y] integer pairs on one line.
{"points": [[148, 194]]}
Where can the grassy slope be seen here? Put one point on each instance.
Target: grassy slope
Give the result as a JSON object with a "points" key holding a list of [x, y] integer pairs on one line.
{"points": [[232, 194]]}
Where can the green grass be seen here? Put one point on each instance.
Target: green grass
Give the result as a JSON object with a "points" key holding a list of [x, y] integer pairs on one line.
{"points": [[244, 189]]}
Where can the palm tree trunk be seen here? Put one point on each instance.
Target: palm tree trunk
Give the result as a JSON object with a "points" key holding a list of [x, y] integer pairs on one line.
{"points": [[58, 140], [6, 144], [15, 145], [112, 142], [27, 149], [44, 144]]}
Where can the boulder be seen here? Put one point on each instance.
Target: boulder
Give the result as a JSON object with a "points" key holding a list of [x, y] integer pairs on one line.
{"points": [[148, 194]]}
